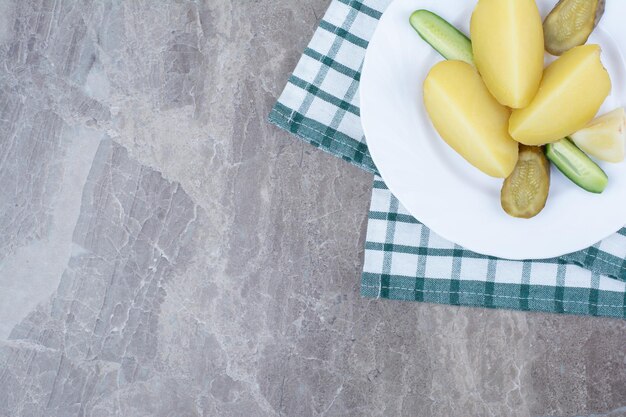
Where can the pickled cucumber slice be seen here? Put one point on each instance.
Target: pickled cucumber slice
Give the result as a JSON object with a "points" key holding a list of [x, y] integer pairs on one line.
{"points": [[525, 191], [570, 23], [450, 42], [577, 166]]}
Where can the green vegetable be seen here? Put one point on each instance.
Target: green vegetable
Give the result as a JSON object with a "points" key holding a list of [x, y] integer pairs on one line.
{"points": [[577, 166], [442, 36], [525, 191], [570, 23]]}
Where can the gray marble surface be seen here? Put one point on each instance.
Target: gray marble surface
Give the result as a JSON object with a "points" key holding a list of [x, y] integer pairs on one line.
{"points": [[166, 252]]}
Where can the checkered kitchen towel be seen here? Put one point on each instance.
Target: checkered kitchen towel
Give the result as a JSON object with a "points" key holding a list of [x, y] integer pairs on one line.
{"points": [[404, 260]]}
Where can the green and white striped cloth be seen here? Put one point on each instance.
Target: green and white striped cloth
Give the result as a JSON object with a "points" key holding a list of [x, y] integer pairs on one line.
{"points": [[404, 260]]}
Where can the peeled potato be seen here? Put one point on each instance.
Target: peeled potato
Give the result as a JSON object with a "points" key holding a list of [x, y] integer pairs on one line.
{"points": [[507, 40], [571, 92], [469, 119]]}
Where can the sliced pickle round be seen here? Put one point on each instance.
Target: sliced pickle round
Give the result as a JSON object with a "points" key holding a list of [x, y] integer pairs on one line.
{"points": [[525, 191], [570, 23]]}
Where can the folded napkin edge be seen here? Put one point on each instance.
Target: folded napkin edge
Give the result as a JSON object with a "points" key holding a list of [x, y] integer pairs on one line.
{"points": [[310, 134]]}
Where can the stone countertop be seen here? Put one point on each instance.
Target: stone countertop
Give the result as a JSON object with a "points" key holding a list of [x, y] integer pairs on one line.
{"points": [[166, 252]]}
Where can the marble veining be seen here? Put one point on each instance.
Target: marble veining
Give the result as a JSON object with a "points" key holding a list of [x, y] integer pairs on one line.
{"points": [[164, 251]]}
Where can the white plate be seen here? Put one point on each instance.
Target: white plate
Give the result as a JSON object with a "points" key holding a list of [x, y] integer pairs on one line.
{"points": [[440, 188]]}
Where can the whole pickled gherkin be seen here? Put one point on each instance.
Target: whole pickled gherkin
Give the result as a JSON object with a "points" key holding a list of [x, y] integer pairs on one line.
{"points": [[570, 24], [525, 192]]}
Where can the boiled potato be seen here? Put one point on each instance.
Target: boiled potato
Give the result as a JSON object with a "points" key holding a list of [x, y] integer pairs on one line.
{"points": [[469, 119], [507, 40], [571, 93]]}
